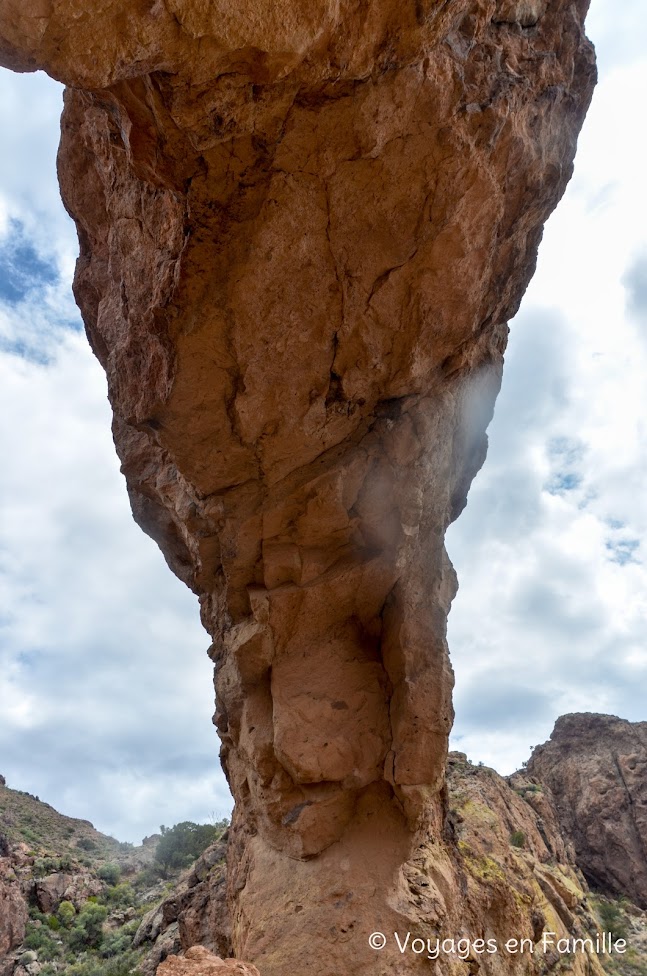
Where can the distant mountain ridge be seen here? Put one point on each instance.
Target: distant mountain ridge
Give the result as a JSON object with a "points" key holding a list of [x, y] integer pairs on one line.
{"points": [[25, 818]]}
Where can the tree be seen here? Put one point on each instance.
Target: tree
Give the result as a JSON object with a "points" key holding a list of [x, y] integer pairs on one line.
{"points": [[180, 845]]}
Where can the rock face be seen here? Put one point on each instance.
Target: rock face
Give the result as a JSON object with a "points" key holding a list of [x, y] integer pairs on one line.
{"points": [[194, 913], [13, 909], [516, 876], [596, 768], [76, 887], [303, 228], [200, 962], [15, 893]]}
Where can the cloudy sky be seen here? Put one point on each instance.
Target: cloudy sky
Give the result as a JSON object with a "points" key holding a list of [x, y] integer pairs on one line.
{"points": [[105, 687]]}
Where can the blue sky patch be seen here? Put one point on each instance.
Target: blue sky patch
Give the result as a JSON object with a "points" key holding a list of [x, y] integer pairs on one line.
{"points": [[623, 551], [22, 269], [567, 449], [26, 350], [566, 453], [562, 482]]}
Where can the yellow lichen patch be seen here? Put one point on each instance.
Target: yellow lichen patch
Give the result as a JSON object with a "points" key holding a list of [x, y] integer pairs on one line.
{"points": [[479, 814], [566, 885], [480, 866]]}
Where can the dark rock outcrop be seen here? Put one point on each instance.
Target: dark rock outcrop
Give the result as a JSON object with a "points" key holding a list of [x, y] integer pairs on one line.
{"points": [[75, 887], [596, 768]]}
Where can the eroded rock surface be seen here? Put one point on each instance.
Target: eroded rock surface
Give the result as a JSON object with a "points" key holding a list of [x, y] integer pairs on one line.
{"points": [[596, 767], [198, 961], [513, 875], [303, 229]]}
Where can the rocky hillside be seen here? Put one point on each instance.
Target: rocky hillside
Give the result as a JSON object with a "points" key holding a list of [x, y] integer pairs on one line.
{"points": [[524, 875], [26, 819], [78, 903]]}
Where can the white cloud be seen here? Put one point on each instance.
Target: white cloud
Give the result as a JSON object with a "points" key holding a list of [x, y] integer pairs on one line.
{"points": [[105, 680], [550, 549], [105, 691], [616, 30]]}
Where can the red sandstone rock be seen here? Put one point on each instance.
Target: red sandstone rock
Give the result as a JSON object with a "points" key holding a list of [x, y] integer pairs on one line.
{"points": [[596, 768], [303, 229], [198, 961]]}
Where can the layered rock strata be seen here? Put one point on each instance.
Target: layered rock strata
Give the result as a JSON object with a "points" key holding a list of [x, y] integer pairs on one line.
{"points": [[303, 229], [596, 768]]}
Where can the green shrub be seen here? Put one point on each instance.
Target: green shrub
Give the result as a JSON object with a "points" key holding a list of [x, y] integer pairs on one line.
{"points": [[518, 838], [613, 919], [120, 896], [87, 844], [36, 937], [148, 876], [66, 913], [122, 965], [87, 931], [53, 923], [40, 939], [110, 873], [131, 927], [46, 865], [116, 944]]}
